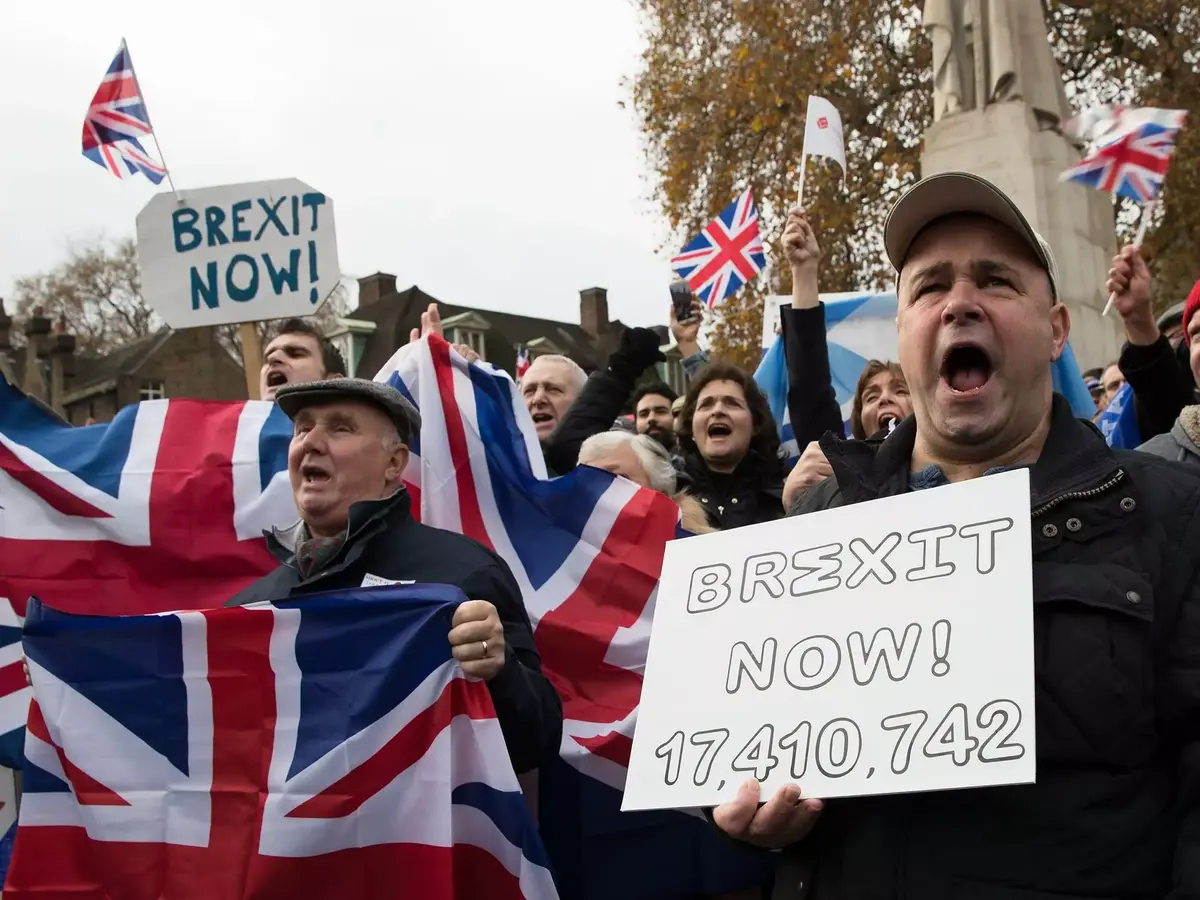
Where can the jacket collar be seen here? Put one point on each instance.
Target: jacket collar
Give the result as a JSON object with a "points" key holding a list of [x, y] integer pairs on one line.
{"points": [[281, 542], [1075, 457]]}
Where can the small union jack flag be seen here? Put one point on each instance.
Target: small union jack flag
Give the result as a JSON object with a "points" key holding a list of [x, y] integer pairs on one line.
{"points": [[117, 120], [1133, 150], [725, 255], [523, 363]]}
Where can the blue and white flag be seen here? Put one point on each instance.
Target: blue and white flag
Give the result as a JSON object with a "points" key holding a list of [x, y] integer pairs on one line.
{"points": [[1118, 422]]}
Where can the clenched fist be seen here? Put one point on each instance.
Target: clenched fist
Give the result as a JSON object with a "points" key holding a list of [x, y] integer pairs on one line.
{"points": [[477, 639], [811, 468], [800, 241], [1129, 284]]}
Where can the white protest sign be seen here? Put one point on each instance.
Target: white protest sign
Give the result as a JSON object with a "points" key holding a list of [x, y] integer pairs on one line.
{"points": [[238, 253], [883, 647], [771, 318]]}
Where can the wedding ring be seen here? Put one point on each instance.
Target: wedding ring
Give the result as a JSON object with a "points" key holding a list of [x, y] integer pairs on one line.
{"points": [[484, 648]]}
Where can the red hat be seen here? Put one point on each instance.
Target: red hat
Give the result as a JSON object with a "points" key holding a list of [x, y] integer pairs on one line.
{"points": [[1193, 304]]}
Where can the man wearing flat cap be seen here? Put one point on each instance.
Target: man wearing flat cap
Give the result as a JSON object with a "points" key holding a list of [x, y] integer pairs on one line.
{"points": [[348, 452], [1115, 811]]}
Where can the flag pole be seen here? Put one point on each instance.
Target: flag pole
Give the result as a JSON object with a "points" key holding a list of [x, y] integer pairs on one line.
{"points": [[1143, 224], [803, 167], [154, 134]]}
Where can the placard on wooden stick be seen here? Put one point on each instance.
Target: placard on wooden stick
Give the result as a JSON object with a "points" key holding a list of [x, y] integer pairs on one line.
{"points": [[238, 254], [884, 647]]}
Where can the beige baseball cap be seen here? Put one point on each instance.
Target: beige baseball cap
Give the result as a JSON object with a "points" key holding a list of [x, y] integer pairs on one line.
{"points": [[950, 193]]}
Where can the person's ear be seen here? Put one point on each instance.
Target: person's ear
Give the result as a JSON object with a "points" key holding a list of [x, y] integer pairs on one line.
{"points": [[1060, 329], [397, 463]]}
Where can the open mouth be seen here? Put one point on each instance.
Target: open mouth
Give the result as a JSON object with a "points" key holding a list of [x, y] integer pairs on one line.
{"points": [[313, 475], [966, 368], [276, 379], [719, 429], [541, 417]]}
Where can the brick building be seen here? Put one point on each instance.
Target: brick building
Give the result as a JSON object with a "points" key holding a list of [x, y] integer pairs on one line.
{"points": [[81, 386], [385, 316]]}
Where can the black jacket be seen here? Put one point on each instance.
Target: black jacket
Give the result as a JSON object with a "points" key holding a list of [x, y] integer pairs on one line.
{"points": [[384, 540], [1161, 379], [752, 493], [602, 398], [812, 403], [1115, 812]]}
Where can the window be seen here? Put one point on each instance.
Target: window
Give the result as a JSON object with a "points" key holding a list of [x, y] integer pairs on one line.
{"points": [[153, 390], [470, 337]]}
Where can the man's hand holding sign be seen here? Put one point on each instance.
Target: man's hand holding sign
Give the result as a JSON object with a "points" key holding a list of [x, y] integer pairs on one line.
{"points": [[878, 648]]}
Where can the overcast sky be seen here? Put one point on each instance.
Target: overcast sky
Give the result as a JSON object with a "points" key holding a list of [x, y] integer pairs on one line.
{"points": [[473, 147]]}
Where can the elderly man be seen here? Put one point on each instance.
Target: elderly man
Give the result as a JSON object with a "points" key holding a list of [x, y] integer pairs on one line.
{"points": [[1114, 812], [345, 463], [298, 352]]}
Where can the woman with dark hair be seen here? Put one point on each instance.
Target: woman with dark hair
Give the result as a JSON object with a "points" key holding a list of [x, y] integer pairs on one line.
{"points": [[880, 400], [731, 448]]}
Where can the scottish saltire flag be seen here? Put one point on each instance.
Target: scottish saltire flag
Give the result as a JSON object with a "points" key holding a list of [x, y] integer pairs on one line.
{"points": [[860, 327], [116, 122], [1118, 423], [328, 748], [162, 508], [1131, 149], [725, 255], [586, 548], [772, 377]]}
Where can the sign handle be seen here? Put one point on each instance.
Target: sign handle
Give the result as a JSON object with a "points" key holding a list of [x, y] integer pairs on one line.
{"points": [[251, 357], [800, 191]]}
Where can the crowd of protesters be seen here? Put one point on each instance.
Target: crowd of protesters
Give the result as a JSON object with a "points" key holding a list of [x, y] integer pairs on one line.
{"points": [[1115, 811]]}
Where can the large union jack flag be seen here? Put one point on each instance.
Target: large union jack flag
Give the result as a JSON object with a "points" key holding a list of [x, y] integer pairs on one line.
{"points": [[117, 120], [725, 255], [325, 749], [163, 508], [586, 548], [1132, 150]]}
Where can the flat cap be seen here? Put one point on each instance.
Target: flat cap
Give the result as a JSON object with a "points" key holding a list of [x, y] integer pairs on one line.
{"points": [[292, 398]]}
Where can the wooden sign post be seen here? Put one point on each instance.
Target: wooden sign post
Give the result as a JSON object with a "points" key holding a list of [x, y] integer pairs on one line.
{"points": [[251, 357]]}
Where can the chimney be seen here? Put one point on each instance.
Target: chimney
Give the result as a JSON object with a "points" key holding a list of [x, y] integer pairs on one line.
{"points": [[593, 311], [375, 287], [62, 364], [37, 341]]}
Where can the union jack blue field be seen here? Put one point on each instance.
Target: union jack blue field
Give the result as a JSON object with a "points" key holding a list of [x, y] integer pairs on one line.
{"points": [[325, 748]]}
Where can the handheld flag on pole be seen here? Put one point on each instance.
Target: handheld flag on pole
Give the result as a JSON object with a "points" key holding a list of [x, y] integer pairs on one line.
{"points": [[117, 120], [725, 255], [1131, 151], [822, 137]]}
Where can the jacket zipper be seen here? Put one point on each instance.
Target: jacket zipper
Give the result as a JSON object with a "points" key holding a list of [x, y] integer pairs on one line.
{"points": [[1079, 495]]}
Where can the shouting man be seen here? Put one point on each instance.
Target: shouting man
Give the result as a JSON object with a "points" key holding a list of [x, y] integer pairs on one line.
{"points": [[1115, 812], [347, 455], [297, 353]]}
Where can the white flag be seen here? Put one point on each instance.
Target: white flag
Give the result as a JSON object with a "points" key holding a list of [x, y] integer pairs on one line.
{"points": [[823, 132]]}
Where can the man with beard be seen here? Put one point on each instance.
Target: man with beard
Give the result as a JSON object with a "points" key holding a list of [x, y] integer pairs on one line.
{"points": [[652, 413], [297, 353], [1115, 810]]}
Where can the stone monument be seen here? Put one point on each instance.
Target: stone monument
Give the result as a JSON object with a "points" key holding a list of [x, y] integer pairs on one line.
{"points": [[998, 109]]}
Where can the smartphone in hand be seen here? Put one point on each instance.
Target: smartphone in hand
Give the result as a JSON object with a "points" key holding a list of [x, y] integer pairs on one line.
{"points": [[683, 300]]}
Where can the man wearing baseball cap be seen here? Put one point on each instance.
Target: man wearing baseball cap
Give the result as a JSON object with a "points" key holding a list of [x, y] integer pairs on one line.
{"points": [[346, 460], [1114, 812]]}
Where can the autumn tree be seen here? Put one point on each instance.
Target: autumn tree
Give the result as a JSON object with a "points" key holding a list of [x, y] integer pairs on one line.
{"points": [[97, 290], [723, 88]]}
